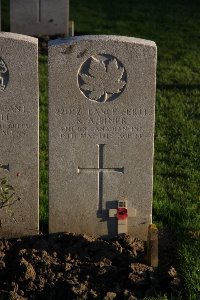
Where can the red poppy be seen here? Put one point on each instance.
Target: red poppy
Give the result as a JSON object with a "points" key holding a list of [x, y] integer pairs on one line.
{"points": [[122, 213]]}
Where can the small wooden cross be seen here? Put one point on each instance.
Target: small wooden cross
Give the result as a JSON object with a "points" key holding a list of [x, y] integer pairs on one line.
{"points": [[122, 213]]}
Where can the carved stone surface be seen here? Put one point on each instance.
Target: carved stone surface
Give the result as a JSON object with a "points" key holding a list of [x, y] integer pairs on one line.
{"points": [[101, 132], [39, 17], [0, 15], [102, 78], [18, 135]]}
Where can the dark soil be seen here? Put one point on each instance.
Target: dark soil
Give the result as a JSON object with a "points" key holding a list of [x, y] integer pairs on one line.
{"points": [[70, 266]]}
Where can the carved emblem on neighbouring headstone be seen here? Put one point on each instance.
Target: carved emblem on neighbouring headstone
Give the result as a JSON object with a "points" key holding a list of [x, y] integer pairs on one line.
{"points": [[3, 75], [102, 78]]}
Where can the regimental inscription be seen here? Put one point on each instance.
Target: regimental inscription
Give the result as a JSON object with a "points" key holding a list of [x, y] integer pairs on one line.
{"points": [[102, 132], [9, 124], [108, 123], [100, 170], [4, 75], [102, 78]]}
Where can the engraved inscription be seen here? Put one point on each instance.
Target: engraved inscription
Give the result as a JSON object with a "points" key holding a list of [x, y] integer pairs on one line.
{"points": [[4, 75], [102, 123], [11, 220], [102, 78], [102, 132], [16, 108], [9, 126]]}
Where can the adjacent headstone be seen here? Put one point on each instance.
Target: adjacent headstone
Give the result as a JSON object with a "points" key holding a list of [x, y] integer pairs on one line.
{"points": [[18, 135], [101, 133], [0, 15], [39, 17]]}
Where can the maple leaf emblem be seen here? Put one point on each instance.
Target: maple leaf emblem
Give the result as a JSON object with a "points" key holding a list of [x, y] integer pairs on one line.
{"points": [[103, 79]]}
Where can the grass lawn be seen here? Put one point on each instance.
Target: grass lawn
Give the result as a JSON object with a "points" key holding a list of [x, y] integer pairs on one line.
{"points": [[175, 27]]}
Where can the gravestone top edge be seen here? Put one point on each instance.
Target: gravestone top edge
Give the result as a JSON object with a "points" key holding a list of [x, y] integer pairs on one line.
{"points": [[19, 37], [105, 38]]}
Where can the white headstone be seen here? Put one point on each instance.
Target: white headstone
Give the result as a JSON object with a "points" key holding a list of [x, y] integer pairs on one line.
{"points": [[101, 133], [39, 17], [0, 15], [18, 135]]}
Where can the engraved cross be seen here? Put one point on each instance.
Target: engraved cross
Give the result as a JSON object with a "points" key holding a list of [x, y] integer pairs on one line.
{"points": [[39, 6], [101, 170]]}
